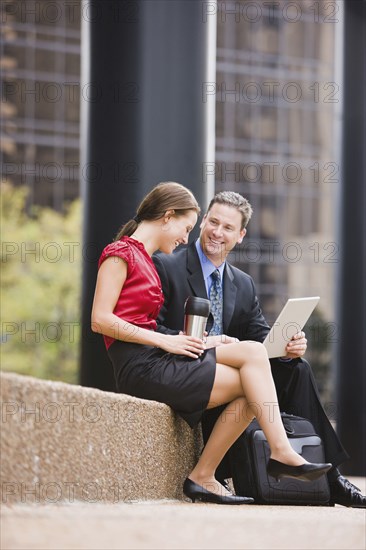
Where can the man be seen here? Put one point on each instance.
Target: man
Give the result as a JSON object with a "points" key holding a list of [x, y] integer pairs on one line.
{"points": [[193, 271]]}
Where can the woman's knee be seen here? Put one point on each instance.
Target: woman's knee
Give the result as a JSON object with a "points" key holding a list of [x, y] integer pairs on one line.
{"points": [[254, 351]]}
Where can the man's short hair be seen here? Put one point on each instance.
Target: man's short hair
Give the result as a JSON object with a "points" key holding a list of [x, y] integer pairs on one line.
{"points": [[236, 201]]}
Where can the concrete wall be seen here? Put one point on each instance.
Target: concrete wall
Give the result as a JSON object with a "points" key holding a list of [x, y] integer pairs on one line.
{"points": [[61, 442]]}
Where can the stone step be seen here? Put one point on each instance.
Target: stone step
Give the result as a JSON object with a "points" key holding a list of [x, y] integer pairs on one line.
{"points": [[63, 442]]}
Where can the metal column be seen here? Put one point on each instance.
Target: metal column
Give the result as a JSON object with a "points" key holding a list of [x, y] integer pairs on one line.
{"points": [[351, 383], [143, 121]]}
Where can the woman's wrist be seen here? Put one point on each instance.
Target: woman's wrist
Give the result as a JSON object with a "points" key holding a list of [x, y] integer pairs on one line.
{"points": [[159, 339]]}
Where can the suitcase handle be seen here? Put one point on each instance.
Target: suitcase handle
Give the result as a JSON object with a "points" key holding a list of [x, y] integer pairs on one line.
{"points": [[288, 428]]}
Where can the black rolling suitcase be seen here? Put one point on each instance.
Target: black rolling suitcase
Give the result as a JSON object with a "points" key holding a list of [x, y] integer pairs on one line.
{"points": [[251, 453]]}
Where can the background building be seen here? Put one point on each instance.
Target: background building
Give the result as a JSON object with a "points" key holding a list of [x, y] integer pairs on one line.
{"points": [[276, 94], [275, 142], [40, 64]]}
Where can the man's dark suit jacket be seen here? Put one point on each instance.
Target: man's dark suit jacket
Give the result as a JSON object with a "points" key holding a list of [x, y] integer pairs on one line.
{"points": [[181, 276]]}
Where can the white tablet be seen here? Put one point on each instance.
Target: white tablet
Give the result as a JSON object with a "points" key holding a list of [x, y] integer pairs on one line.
{"points": [[290, 321]]}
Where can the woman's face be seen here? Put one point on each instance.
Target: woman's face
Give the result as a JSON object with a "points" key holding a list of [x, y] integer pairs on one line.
{"points": [[175, 231]]}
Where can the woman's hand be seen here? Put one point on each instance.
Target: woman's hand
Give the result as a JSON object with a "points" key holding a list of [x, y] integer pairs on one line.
{"points": [[219, 340], [181, 344]]}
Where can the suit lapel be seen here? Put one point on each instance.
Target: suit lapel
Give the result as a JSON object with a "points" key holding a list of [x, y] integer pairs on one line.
{"points": [[229, 297], [195, 275]]}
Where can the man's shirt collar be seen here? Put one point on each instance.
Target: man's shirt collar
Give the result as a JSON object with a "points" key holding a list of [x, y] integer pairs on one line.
{"points": [[207, 266]]}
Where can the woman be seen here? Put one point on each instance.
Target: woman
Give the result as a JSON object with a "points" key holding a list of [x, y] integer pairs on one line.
{"points": [[179, 370]]}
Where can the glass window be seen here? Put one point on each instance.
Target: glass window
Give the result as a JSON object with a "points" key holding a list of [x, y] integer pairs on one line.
{"points": [[45, 60]]}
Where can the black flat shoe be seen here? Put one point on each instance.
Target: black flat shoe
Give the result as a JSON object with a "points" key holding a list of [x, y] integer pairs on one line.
{"points": [[305, 472], [195, 492]]}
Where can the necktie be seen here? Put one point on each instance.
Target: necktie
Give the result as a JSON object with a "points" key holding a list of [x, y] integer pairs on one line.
{"points": [[216, 302]]}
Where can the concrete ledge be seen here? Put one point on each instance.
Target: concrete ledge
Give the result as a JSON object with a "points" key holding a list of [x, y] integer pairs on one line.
{"points": [[61, 442]]}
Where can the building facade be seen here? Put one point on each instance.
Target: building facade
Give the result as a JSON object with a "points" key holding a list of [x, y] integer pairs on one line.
{"points": [[276, 142], [40, 65]]}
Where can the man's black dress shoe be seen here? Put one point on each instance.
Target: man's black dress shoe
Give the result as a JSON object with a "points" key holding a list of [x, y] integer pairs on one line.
{"points": [[195, 492], [345, 493], [305, 472]]}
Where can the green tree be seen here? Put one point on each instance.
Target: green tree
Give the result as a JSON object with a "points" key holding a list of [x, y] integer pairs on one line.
{"points": [[40, 288]]}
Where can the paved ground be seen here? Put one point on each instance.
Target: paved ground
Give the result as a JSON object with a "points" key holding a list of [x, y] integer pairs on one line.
{"points": [[181, 525]]}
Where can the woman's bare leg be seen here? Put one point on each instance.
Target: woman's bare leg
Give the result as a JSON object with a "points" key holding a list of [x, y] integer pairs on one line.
{"points": [[232, 422], [258, 387], [244, 379]]}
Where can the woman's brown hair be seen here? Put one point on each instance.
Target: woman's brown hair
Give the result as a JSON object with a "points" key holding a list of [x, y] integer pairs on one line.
{"points": [[165, 196]]}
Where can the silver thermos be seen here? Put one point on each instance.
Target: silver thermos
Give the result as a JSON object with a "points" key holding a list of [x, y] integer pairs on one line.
{"points": [[196, 312]]}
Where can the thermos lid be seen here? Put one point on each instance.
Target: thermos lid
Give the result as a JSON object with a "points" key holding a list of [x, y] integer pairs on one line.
{"points": [[197, 306]]}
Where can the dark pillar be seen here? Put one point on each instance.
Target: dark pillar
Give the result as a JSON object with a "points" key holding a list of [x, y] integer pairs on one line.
{"points": [[351, 387], [143, 121]]}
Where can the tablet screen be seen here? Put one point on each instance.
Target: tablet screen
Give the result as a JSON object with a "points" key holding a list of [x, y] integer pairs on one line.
{"points": [[291, 320]]}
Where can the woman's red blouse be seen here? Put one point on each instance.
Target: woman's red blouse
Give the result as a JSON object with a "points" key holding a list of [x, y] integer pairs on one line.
{"points": [[141, 296]]}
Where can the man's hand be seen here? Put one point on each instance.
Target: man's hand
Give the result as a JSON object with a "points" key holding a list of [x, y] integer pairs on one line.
{"points": [[297, 346]]}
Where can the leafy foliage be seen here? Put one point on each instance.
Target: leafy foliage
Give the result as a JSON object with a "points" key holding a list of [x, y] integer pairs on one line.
{"points": [[40, 288]]}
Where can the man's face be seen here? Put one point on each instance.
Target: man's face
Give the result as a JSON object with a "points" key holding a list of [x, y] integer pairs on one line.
{"points": [[220, 232]]}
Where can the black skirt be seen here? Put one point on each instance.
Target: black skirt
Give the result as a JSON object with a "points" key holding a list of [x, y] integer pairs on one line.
{"points": [[147, 372]]}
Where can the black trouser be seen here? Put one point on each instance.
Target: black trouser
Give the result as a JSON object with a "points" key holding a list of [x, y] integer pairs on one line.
{"points": [[297, 394]]}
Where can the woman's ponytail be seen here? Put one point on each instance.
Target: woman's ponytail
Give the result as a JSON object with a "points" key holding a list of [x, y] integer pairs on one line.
{"points": [[128, 229]]}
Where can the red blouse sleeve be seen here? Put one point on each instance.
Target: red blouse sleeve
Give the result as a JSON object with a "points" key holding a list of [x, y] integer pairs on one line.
{"points": [[121, 250]]}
